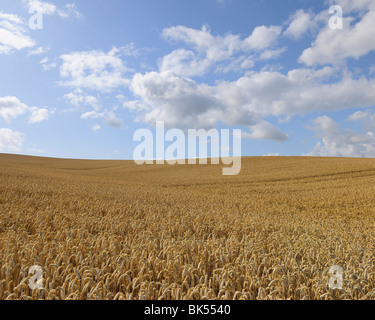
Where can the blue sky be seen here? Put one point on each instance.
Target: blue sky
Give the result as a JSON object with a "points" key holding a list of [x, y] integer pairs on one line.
{"points": [[99, 70]]}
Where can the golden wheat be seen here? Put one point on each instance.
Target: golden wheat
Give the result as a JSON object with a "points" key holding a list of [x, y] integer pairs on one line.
{"points": [[114, 230]]}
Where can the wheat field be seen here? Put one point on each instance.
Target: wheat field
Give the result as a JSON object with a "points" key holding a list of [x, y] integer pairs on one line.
{"points": [[115, 230]]}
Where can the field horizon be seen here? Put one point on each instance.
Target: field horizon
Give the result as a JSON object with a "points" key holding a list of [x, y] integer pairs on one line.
{"points": [[131, 160]]}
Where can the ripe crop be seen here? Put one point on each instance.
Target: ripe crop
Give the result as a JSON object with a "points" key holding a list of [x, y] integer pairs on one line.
{"points": [[115, 230]]}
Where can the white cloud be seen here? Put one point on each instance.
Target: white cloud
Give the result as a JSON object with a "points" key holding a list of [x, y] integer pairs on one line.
{"points": [[272, 54], [94, 70], [366, 118], [38, 51], [262, 37], [13, 34], [214, 47], [242, 63], [337, 142], [69, 10], [10, 140], [109, 117], [265, 131], [301, 21], [92, 115], [208, 50], [184, 62], [354, 5], [171, 96], [39, 115], [178, 101], [78, 98], [301, 91], [48, 8], [183, 103], [96, 128], [334, 46], [12, 107], [47, 65], [271, 155], [135, 105], [359, 115], [112, 120]]}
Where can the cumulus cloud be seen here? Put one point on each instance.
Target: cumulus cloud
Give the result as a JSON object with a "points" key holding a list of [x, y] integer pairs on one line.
{"points": [[14, 31], [366, 118], [78, 98], [94, 70], [38, 51], [300, 23], [272, 54], [335, 46], [172, 95], [338, 142], [96, 127], [39, 115], [13, 34], [242, 63], [214, 47], [301, 91], [109, 117], [12, 107], [47, 64], [182, 102], [208, 50], [10, 140], [178, 101], [265, 131], [359, 115], [48, 8], [354, 5], [262, 37], [184, 62]]}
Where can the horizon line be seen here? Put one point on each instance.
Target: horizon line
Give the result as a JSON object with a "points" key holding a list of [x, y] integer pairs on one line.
{"points": [[186, 159]]}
